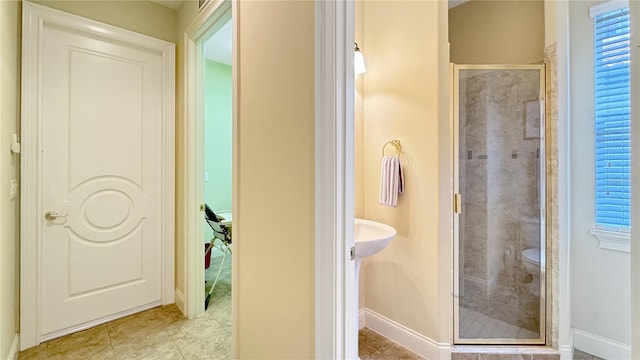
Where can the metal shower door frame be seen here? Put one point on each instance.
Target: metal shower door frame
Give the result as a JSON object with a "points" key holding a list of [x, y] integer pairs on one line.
{"points": [[455, 141]]}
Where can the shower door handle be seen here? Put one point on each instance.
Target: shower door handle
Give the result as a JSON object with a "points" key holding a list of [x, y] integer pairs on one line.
{"points": [[457, 203]]}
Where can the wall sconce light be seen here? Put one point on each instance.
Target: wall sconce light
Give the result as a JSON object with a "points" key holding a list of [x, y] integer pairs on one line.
{"points": [[358, 61]]}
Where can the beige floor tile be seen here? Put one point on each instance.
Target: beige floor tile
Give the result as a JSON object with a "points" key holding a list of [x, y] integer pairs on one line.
{"points": [[201, 338], [86, 344], [367, 352], [164, 349], [136, 326], [203, 326], [220, 310], [169, 314], [214, 349], [86, 352], [397, 352], [373, 340], [158, 339], [161, 333], [224, 280], [373, 346], [35, 353]]}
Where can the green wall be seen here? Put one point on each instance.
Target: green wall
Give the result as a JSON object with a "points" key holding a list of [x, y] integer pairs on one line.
{"points": [[217, 140]]}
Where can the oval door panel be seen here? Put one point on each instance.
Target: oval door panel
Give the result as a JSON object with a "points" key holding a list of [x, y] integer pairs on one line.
{"points": [[105, 209]]}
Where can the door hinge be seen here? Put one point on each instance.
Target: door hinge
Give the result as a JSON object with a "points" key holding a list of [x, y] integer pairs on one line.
{"points": [[457, 203], [201, 207], [352, 252]]}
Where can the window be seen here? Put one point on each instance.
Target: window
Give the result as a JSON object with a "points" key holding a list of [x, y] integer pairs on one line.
{"points": [[612, 116]]}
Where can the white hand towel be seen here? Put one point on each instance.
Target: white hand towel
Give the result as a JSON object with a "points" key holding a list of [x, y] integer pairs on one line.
{"points": [[391, 180]]}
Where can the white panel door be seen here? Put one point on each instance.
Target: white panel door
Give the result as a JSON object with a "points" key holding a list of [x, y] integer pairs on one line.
{"points": [[101, 179]]}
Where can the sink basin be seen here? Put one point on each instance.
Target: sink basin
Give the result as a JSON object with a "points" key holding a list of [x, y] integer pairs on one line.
{"points": [[371, 237]]}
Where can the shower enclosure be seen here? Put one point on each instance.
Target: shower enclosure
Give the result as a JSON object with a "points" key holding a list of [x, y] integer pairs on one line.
{"points": [[499, 185]]}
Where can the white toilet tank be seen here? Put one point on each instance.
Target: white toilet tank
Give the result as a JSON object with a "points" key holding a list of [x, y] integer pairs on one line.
{"points": [[530, 243], [529, 235]]}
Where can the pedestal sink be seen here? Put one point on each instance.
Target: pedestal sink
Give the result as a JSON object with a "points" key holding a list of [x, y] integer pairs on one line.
{"points": [[370, 238]]}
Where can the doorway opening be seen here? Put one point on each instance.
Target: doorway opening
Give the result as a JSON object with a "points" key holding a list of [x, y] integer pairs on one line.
{"points": [[209, 170], [500, 185], [217, 180]]}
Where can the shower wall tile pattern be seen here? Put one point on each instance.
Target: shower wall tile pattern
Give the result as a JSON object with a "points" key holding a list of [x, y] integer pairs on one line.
{"points": [[499, 181]]}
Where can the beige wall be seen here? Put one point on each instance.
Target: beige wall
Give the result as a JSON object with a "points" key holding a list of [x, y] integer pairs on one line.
{"points": [[550, 22], [274, 287], [497, 32], [404, 93], [9, 169]]}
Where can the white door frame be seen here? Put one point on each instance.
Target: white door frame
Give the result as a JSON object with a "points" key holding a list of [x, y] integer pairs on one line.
{"points": [[35, 18], [336, 333], [211, 17], [336, 310]]}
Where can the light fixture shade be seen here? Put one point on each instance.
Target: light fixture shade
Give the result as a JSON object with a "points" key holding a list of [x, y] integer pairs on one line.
{"points": [[358, 61]]}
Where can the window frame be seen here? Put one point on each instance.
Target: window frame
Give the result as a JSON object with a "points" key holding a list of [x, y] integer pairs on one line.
{"points": [[611, 237]]}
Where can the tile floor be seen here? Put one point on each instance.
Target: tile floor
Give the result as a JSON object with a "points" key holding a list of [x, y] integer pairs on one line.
{"points": [[581, 355], [373, 346], [476, 325], [161, 333]]}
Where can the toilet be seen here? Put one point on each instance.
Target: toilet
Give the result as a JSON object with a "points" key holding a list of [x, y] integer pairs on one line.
{"points": [[531, 260], [530, 244]]}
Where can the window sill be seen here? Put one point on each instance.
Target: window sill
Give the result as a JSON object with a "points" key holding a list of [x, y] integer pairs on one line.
{"points": [[612, 240]]}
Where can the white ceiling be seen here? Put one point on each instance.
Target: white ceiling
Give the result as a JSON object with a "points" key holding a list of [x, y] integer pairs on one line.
{"points": [[454, 3], [218, 47]]}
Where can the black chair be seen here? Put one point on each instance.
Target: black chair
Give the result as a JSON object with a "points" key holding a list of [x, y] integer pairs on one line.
{"points": [[222, 233]]}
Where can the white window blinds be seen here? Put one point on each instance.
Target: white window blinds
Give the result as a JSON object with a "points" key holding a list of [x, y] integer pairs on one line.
{"points": [[612, 113]]}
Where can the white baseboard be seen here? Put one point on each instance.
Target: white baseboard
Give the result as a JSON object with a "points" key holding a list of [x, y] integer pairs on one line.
{"points": [[566, 352], [406, 337], [600, 346], [180, 300], [15, 348], [361, 319]]}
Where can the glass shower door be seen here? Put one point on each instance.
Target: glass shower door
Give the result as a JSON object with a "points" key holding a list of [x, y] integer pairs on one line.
{"points": [[499, 242]]}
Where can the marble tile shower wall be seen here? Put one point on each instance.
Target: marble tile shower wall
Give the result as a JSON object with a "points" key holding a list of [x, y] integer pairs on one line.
{"points": [[499, 177]]}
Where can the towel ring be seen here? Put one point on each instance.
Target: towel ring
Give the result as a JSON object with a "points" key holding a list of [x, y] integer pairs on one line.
{"points": [[395, 143]]}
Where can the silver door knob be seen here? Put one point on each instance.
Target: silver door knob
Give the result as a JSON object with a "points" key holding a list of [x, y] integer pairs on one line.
{"points": [[52, 215]]}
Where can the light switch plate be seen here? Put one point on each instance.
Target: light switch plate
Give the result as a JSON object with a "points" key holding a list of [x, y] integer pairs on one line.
{"points": [[206, 176], [13, 192], [15, 144]]}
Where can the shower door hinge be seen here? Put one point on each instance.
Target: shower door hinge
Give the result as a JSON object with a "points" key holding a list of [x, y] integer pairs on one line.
{"points": [[352, 253], [457, 203]]}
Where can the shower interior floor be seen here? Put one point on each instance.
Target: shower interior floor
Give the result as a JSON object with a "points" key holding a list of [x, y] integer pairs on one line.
{"points": [[474, 325]]}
